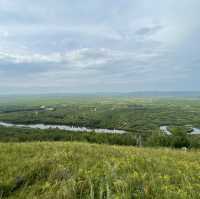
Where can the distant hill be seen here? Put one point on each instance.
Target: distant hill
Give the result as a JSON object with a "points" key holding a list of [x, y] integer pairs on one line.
{"points": [[166, 94], [195, 94]]}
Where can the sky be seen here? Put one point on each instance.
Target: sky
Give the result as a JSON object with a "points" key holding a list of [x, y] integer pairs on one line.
{"points": [[81, 46]]}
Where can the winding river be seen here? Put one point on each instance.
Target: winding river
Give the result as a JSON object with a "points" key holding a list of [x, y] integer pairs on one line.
{"points": [[62, 127], [164, 129]]}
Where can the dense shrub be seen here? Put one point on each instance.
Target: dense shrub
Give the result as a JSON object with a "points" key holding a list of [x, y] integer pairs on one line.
{"points": [[178, 139], [27, 135]]}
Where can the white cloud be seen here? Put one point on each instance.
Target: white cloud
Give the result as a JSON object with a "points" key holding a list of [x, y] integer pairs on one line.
{"points": [[80, 58]]}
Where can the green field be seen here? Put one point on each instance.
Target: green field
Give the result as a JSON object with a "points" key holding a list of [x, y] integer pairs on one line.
{"points": [[76, 170]]}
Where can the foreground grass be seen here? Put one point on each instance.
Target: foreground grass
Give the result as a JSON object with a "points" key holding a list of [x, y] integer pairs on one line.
{"points": [[77, 170]]}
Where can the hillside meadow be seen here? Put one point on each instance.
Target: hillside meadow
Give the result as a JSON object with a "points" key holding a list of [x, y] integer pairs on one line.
{"points": [[80, 170]]}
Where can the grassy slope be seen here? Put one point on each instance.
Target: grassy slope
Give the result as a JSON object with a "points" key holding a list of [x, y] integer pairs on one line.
{"points": [[77, 170]]}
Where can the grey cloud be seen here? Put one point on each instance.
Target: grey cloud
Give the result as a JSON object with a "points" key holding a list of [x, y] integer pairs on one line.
{"points": [[149, 30], [73, 44]]}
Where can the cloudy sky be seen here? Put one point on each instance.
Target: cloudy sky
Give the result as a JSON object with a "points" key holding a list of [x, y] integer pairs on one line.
{"points": [[99, 45]]}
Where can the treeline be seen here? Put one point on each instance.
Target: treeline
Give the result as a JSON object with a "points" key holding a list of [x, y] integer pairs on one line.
{"points": [[180, 138], [157, 139], [28, 135]]}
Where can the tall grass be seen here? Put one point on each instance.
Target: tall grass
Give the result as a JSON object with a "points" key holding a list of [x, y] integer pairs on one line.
{"points": [[76, 170]]}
